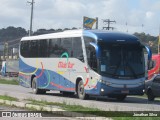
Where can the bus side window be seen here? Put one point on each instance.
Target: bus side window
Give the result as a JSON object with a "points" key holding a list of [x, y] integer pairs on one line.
{"points": [[55, 49], [91, 53], [77, 51], [33, 48], [24, 48], [43, 48], [66, 44], [91, 57]]}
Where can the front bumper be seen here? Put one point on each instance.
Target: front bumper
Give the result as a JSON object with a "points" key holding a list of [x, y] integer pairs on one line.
{"points": [[109, 90]]}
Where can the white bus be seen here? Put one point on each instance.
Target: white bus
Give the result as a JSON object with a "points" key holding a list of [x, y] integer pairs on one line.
{"points": [[84, 62]]}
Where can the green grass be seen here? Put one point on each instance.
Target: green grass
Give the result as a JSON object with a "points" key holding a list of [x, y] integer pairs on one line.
{"points": [[145, 96], [6, 97], [115, 115], [142, 96], [79, 108], [62, 105], [11, 82], [136, 118]]}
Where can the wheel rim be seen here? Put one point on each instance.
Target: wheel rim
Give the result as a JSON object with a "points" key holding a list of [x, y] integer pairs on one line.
{"points": [[81, 88], [34, 86]]}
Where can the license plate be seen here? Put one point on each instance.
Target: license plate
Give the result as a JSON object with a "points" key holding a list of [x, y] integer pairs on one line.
{"points": [[125, 91]]}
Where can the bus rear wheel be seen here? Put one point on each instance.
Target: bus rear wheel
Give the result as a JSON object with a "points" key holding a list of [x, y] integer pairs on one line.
{"points": [[36, 90], [80, 91]]}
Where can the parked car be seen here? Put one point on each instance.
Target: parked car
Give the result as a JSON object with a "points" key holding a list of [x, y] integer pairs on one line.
{"points": [[152, 87]]}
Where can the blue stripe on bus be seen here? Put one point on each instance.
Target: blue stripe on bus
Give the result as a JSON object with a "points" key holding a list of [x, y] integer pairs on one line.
{"points": [[48, 80]]}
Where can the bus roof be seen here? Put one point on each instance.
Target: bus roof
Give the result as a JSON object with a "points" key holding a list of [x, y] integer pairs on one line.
{"points": [[110, 36], [99, 35], [67, 33]]}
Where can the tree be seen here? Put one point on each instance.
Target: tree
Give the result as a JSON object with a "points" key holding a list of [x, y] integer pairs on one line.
{"points": [[11, 33], [148, 40]]}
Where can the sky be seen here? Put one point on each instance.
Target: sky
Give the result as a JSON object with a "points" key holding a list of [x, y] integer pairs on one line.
{"points": [[130, 15]]}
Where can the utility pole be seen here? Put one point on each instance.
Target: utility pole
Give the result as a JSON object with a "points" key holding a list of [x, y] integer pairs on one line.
{"points": [[108, 22], [6, 51], [31, 20], [97, 23], [142, 27], [127, 27]]}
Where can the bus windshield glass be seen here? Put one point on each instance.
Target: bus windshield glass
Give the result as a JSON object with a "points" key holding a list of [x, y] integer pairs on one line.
{"points": [[122, 61]]}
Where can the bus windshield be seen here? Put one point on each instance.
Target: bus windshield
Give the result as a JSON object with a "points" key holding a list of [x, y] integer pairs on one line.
{"points": [[122, 61]]}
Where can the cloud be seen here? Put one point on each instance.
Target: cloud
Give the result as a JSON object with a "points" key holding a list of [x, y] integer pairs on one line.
{"points": [[13, 13], [69, 13], [149, 15]]}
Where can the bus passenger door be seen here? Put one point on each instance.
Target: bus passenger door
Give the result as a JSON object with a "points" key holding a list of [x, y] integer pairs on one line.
{"points": [[92, 63]]}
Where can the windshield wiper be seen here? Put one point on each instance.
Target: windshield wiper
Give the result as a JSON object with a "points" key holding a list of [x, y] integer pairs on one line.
{"points": [[118, 65], [131, 69]]}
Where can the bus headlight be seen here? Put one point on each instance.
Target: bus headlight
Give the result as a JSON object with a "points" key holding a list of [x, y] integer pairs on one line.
{"points": [[102, 90], [105, 82], [141, 83], [108, 83], [100, 81], [143, 91]]}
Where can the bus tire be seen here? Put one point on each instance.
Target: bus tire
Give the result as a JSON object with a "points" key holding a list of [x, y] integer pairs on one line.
{"points": [[150, 95], [80, 91], [36, 90]]}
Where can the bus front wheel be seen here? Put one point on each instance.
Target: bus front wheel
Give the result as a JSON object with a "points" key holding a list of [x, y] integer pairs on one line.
{"points": [[80, 91], [36, 90]]}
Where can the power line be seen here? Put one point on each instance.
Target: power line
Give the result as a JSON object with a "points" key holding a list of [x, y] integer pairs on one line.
{"points": [[108, 22]]}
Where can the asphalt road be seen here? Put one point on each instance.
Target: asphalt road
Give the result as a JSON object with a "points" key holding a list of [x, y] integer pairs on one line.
{"points": [[131, 103]]}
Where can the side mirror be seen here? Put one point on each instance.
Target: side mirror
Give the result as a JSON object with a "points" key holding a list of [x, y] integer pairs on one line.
{"points": [[150, 64], [149, 52], [81, 58], [157, 79]]}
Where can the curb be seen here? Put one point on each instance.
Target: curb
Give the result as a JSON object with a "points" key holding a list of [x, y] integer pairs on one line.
{"points": [[57, 111]]}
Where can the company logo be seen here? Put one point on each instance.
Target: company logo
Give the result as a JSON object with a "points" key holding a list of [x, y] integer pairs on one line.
{"points": [[65, 64]]}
